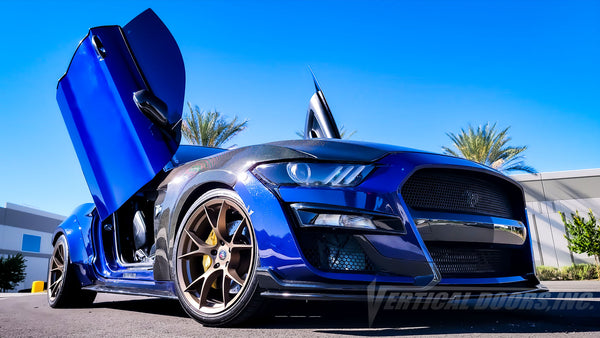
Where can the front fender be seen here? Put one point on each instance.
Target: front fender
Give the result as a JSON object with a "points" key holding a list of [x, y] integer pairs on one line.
{"points": [[80, 251], [174, 198]]}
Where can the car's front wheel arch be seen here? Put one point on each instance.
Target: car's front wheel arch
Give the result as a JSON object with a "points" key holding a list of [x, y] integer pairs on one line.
{"points": [[214, 260]]}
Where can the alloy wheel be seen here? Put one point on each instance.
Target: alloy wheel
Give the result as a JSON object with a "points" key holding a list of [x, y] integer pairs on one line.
{"points": [[56, 273], [215, 255]]}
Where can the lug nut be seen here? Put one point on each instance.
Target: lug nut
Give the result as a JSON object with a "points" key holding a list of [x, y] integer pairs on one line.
{"points": [[213, 252], [217, 265]]}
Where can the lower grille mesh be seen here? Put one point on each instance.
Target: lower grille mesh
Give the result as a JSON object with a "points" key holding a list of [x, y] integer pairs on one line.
{"points": [[462, 261], [466, 261], [335, 253]]}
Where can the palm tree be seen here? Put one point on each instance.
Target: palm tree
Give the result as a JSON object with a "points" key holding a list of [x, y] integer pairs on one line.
{"points": [[210, 128], [488, 146], [345, 134]]}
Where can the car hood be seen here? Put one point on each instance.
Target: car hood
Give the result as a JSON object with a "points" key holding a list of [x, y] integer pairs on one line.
{"points": [[343, 150]]}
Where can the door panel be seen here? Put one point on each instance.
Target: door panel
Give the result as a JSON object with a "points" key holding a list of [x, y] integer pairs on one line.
{"points": [[319, 120], [153, 47], [119, 147]]}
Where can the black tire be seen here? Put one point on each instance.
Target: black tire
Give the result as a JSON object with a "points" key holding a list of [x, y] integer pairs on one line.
{"points": [[215, 259], [64, 289]]}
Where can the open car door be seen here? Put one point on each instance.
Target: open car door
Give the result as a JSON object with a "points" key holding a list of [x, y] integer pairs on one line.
{"points": [[122, 100], [319, 120]]}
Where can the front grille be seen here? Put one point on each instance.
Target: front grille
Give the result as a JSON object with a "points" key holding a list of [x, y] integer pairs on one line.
{"points": [[461, 191], [332, 252], [476, 260], [465, 261]]}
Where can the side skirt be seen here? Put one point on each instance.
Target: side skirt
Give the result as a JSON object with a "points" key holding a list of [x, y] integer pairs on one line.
{"points": [[149, 289]]}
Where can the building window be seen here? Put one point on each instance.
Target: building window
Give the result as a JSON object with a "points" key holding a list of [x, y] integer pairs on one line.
{"points": [[31, 243]]}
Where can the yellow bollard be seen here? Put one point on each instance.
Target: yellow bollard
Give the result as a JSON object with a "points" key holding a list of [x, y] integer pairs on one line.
{"points": [[37, 286]]}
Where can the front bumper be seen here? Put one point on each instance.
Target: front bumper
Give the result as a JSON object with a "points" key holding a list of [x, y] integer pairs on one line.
{"points": [[276, 288], [401, 260]]}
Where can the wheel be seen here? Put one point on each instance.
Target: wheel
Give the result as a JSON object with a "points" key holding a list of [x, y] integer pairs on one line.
{"points": [[64, 289], [215, 260]]}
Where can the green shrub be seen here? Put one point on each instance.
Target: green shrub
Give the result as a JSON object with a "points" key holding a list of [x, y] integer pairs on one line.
{"points": [[12, 271], [583, 235], [579, 272], [573, 272], [548, 273]]}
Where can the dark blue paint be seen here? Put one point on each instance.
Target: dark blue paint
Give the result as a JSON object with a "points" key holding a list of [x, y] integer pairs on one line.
{"points": [[401, 247], [80, 253], [119, 149], [278, 247], [276, 243], [159, 59]]}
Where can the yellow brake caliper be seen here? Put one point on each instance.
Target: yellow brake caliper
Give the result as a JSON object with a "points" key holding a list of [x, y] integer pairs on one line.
{"points": [[206, 261]]}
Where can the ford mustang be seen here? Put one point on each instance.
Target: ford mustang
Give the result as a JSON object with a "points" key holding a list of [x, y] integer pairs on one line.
{"points": [[225, 231]]}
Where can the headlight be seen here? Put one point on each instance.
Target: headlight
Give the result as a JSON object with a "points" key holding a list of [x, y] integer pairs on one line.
{"points": [[336, 220], [332, 216], [314, 174]]}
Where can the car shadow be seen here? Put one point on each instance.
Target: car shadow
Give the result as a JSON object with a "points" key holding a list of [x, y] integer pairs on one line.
{"points": [[353, 318], [160, 306]]}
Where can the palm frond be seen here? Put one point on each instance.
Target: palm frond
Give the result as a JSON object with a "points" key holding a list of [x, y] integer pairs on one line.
{"points": [[345, 134], [488, 146], [210, 128]]}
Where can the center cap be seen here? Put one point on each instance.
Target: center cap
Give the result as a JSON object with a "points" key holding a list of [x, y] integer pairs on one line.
{"points": [[222, 255]]}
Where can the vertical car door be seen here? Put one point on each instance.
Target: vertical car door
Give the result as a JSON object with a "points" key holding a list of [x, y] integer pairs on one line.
{"points": [[122, 100], [319, 120]]}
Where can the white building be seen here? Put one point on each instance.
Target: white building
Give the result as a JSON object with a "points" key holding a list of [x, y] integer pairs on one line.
{"points": [[28, 231], [548, 193]]}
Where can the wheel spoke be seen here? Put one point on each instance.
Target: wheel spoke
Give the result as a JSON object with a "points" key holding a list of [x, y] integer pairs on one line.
{"points": [[231, 273], [238, 232], [195, 238], [54, 286], [209, 274], [221, 230], [56, 289], [57, 268], [241, 246], [210, 277], [55, 262], [61, 254], [196, 281], [203, 248], [210, 221], [225, 287], [196, 253]]}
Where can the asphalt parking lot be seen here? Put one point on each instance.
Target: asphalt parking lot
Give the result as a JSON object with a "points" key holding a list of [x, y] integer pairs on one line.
{"points": [[569, 307]]}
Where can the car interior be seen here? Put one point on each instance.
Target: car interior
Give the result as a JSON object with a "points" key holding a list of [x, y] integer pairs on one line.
{"points": [[133, 232]]}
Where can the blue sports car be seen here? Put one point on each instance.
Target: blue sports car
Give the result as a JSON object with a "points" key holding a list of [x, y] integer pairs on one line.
{"points": [[225, 231]]}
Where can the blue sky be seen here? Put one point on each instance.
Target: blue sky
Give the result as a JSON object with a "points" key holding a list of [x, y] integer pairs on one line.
{"points": [[398, 72]]}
